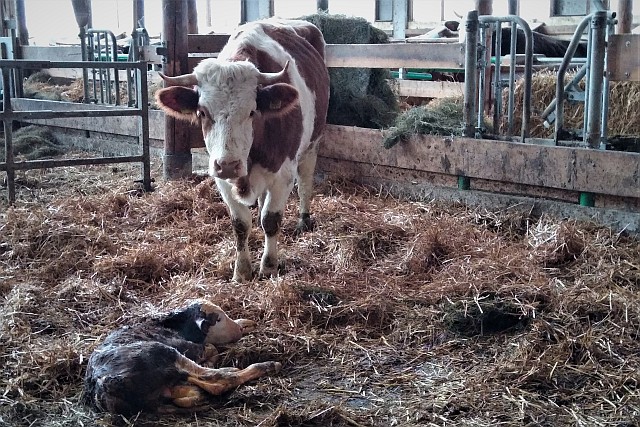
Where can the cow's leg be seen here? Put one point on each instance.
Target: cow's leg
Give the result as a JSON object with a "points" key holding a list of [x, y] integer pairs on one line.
{"points": [[241, 221], [271, 220], [306, 170]]}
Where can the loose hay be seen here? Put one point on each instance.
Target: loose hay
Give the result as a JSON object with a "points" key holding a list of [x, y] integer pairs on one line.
{"points": [[391, 312], [442, 116]]}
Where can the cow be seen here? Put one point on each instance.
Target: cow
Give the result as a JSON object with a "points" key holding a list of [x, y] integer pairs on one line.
{"points": [[262, 105], [162, 364]]}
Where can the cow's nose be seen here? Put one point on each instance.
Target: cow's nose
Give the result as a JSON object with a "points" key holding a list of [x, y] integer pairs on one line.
{"points": [[226, 168]]}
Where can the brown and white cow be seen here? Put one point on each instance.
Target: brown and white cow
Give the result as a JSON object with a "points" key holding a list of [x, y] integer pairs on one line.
{"points": [[262, 104], [162, 364]]}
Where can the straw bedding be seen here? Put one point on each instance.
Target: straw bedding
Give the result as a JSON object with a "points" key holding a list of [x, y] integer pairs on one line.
{"points": [[391, 312]]}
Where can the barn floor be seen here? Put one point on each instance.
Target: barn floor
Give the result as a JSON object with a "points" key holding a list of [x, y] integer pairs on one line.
{"points": [[390, 313]]}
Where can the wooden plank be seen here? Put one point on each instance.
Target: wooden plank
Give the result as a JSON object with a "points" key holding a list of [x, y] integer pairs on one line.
{"points": [[206, 43], [576, 169], [396, 55], [429, 89], [623, 57]]}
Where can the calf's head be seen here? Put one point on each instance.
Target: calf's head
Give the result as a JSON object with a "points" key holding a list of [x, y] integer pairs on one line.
{"points": [[205, 322], [230, 100]]}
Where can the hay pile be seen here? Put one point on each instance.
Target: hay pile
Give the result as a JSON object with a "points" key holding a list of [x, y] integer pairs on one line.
{"points": [[40, 85], [359, 97], [443, 116], [624, 106], [33, 142], [390, 313]]}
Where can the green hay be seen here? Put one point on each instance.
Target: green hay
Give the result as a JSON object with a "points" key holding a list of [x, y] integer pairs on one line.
{"points": [[439, 117], [358, 96]]}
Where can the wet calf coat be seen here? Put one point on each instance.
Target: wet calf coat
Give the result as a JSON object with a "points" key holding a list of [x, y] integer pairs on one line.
{"points": [[160, 365], [262, 105]]}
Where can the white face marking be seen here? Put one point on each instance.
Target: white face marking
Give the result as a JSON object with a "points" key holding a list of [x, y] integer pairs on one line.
{"points": [[228, 96]]}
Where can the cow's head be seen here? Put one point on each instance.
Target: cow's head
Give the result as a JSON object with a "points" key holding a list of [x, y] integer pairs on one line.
{"points": [[228, 99]]}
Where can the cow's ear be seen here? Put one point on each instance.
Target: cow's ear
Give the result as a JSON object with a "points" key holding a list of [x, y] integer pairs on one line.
{"points": [[179, 102], [279, 98]]}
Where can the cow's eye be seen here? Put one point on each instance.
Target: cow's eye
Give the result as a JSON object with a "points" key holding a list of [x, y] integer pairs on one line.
{"points": [[252, 113]]}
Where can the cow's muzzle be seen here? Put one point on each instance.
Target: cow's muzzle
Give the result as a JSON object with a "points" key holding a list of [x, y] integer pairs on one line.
{"points": [[226, 169]]}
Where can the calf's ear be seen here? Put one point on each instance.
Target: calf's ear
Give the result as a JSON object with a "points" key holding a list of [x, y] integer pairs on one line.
{"points": [[277, 99], [179, 102]]}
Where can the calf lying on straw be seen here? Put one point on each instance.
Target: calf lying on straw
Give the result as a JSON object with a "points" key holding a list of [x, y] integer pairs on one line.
{"points": [[159, 365]]}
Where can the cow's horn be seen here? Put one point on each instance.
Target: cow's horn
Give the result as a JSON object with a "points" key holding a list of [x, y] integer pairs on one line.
{"points": [[271, 78], [183, 80]]}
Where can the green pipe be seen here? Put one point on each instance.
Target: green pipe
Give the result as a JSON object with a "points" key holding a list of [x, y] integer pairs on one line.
{"points": [[464, 183], [587, 199]]}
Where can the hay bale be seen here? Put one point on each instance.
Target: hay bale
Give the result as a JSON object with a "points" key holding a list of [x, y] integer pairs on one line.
{"points": [[624, 106], [358, 96], [439, 117]]}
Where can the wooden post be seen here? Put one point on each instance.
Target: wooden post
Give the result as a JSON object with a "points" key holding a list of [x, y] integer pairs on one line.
{"points": [[192, 11], [23, 33], [138, 14], [323, 5], [82, 11], [625, 16], [208, 13], [177, 161]]}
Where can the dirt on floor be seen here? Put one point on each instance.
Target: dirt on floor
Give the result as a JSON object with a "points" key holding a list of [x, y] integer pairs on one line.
{"points": [[390, 312]]}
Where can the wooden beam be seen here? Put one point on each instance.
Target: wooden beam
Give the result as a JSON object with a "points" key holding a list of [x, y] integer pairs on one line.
{"points": [[429, 89], [625, 16], [575, 169], [623, 57], [396, 55]]}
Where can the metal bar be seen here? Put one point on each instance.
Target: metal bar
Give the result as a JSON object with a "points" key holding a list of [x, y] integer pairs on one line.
{"points": [[482, 61], [471, 72], [32, 64], [143, 137], [587, 77], [604, 133], [552, 105], [50, 163], [562, 70], [497, 80], [50, 114], [596, 78], [512, 77], [8, 140]]}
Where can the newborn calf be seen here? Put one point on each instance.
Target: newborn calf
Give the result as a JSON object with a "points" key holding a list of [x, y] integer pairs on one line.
{"points": [[160, 365]]}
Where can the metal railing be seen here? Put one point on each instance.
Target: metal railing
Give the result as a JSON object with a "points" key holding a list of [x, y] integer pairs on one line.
{"points": [[476, 64], [596, 96], [8, 116]]}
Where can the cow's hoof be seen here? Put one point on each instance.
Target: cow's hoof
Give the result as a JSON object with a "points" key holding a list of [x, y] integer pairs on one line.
{"points": [[242, 272], [305, 224]]}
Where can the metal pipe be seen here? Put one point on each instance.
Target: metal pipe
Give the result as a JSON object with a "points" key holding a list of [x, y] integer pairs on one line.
{"points": [[528, 66], [8, 141], [552, 105], [604, 133], [596, 78], [470, 72], [512, 78], [562, 70], [482, 65], [497, 95]]}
